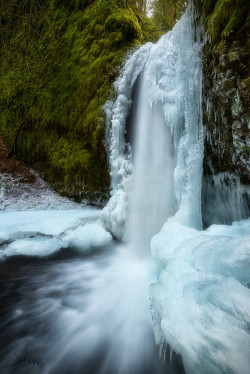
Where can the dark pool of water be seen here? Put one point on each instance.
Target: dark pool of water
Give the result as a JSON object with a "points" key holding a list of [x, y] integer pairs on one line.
{"points": [[78, 313]]}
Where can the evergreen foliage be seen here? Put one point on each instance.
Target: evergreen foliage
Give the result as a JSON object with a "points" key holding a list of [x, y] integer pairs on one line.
{"points": [[167, 12]]}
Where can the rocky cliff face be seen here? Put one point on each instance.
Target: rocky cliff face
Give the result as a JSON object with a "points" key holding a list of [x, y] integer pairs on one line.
{"points": [[225, 109]]}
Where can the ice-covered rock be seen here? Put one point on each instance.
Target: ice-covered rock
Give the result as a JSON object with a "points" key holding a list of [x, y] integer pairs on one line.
{"points": [[88, 236], [38, 247], [201, 302]]}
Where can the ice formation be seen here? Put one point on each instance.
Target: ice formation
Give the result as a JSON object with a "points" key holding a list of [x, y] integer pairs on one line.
{"points": [[88, 236], [168, 143], [39, 246], [201, 302], [41, 233], [115, 213]]}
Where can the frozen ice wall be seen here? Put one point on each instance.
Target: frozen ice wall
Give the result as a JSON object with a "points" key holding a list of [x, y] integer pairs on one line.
{"points": [[167, 145], [120, 158]]}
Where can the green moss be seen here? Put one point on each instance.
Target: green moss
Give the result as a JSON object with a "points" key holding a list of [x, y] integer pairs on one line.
{"points": [[150, 32], [226, 82], [220, 17], [246, 151], [125, 22], [226, 18], [234, 22], [58, 63]]}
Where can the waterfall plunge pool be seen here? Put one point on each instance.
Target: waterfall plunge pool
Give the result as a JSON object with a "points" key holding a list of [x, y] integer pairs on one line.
{"points": [[80, 312]]}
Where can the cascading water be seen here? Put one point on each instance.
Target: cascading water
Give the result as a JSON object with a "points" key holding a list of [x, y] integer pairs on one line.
{"points": [[168, 136], [168, 140], [152, 198]]}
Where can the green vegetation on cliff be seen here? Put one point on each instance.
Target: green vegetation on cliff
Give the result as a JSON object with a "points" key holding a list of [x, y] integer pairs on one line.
{"points": [[57, 64], [226, 85]]}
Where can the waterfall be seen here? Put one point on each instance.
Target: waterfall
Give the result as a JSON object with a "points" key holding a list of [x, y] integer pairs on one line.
{"points": [[159, 175], [200, 300]]}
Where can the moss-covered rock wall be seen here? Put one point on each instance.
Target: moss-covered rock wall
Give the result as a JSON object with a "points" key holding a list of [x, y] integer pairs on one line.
{"points": [[226, 87], [58, 59], [226, 177]]}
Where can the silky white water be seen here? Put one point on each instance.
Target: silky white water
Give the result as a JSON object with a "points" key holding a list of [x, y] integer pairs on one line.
{"points": [[153, 173]]}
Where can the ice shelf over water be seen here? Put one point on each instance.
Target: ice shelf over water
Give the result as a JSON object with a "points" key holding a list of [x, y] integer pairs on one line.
{"points": [[41, 233]]}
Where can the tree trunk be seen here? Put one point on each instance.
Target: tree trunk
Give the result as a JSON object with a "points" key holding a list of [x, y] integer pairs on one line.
{"points": [[14, 148], [174, 11], [142, 6]]}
